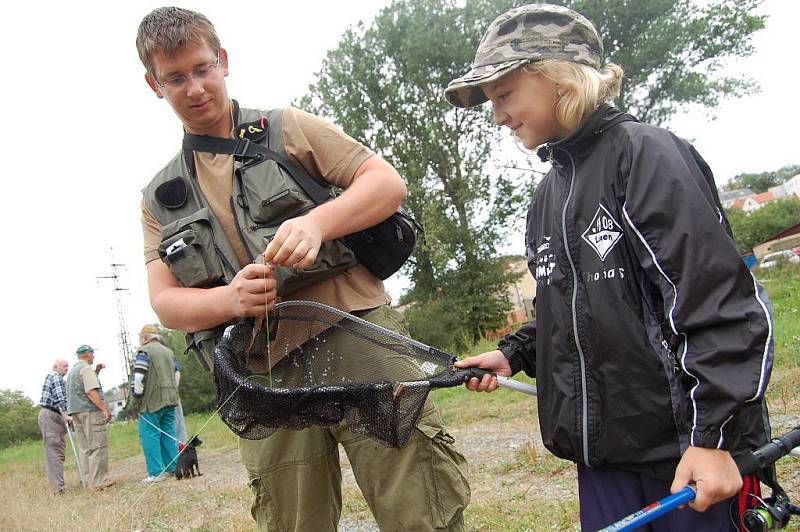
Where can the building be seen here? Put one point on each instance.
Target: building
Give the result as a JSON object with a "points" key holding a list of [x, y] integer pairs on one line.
{"points": [[754, 202], [522, 295], [115, 400], [785, 239], [728, 197], [792, 186]]}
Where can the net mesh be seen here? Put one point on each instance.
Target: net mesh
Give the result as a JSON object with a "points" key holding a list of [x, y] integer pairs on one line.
{"points": [[325, 367]]}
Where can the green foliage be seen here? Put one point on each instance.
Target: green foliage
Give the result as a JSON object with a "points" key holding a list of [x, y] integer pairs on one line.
{"points": [[383, 85], [198, 393], [671, 50], [18, 418], [763, 181], [783, 287], [773, 217]]}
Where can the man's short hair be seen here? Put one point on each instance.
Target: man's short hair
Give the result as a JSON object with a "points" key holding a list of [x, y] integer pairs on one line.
{"points": [[168, 29]]}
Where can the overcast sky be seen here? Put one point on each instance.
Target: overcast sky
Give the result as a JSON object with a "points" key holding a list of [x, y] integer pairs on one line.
{"points": [[82, 134]]}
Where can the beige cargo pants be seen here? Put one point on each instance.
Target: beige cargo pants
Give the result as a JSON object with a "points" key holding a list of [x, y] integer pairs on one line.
{"points": [[296, 478]]}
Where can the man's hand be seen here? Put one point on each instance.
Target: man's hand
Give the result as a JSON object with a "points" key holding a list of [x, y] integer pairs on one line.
{"points": [[493, 361], [714, 473], [296, 244], [252, 290], [68, 418], [99, 367], [106, 415]]}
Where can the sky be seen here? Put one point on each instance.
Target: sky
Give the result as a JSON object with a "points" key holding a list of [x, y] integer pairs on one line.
{"points": [[82, 134]]}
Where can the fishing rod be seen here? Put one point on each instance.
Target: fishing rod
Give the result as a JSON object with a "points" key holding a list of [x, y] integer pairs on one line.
{"points": [[773, 513]]}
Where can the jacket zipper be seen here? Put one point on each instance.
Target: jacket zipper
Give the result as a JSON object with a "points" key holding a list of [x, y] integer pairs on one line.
{"points": [[581, 356]]}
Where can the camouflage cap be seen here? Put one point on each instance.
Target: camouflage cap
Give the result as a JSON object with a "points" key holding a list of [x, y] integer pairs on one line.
{"points": [[523, 35]]}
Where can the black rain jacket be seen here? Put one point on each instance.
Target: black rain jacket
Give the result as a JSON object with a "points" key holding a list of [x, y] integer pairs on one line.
{"points": [[651, 334]]}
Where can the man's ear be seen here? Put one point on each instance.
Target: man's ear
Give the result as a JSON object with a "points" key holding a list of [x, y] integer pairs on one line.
{"points": [[223, 61], [152, 82]]}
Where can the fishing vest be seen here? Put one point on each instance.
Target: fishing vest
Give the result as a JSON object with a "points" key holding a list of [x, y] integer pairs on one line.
{"points": [[77, 400], [195, 248], [160, 387]]}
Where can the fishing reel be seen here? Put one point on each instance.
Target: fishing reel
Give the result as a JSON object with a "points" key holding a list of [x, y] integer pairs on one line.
{"points": [[774, 513]]}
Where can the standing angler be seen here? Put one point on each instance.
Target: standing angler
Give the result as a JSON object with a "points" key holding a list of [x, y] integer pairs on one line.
{"points": [[652, 345], [208, 216]]}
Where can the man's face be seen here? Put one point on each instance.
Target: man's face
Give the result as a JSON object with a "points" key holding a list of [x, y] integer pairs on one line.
{"points": [[62, 366], [192, 80]]}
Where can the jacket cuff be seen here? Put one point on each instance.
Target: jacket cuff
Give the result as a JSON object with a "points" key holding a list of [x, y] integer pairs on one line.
{"points": [[708, 440], [514, 361]]}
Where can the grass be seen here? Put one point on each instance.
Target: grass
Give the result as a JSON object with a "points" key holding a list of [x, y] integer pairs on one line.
{"points": [[524, 488]]}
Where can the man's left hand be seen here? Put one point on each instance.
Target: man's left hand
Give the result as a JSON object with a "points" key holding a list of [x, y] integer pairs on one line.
{"points": [[98, 367], [296, 244], [713, 472]]}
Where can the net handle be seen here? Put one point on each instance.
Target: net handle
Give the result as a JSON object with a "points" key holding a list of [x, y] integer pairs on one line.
{"points": [[506, 382]]}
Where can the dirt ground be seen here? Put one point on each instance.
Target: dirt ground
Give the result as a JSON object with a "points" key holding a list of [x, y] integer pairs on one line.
{"points": [[507, 462]]}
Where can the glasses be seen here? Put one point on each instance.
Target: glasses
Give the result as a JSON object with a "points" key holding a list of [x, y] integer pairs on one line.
{"points": [[180, 81]]}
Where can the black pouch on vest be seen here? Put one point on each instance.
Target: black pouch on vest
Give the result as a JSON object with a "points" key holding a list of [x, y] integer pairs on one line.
{"points": [[385, 247], [187, 248]]}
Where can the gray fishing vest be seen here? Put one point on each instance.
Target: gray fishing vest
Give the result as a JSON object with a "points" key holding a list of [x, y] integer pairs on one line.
{"points": [[160, 387], [77, 400], [195, 248]]}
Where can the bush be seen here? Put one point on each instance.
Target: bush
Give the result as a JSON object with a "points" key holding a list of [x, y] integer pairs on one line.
{"points": [[18, 418]]}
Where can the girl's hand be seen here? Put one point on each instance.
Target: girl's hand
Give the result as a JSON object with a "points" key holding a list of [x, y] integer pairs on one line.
{"points": [[493, 361]]}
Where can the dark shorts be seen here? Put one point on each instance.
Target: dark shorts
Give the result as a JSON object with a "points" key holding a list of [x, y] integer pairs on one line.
{"points": [[607, 495]]}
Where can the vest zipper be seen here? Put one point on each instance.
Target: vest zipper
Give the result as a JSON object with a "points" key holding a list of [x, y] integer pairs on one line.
{"points": [[239, 228], [304, 210], [581, 356]]}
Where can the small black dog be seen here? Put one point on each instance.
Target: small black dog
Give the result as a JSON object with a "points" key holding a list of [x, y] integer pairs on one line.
{"points": [[187, 461]]}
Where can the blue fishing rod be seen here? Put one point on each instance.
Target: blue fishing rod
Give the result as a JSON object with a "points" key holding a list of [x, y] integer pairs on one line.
{"points": [[774, 512]]}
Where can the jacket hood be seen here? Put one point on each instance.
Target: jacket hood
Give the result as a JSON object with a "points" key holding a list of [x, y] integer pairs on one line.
{"points": [[583, 138]]}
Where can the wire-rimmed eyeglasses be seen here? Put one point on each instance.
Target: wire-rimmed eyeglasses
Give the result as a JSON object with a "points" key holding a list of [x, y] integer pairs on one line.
{"points": [[179, 81]]}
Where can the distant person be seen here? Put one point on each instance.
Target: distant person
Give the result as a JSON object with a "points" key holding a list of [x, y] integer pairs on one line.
{"points": [[180, 421], [207, 217], [53, 423], [652, 344], [154, 394], [90, 415]]}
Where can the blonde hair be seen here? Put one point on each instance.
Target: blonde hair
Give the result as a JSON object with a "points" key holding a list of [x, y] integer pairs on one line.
{"points": [[168, 29], [581, 88]]}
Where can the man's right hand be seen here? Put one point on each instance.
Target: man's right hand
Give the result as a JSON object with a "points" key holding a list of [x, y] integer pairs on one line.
{"points": [[252, 292], [106, 416], [494, 361]]}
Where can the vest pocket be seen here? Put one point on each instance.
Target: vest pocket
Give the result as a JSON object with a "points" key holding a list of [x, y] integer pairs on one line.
{"points": [[188, 249], [272, 197]]}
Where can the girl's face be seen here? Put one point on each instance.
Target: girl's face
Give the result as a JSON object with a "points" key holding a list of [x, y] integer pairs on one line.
{"points": [[526, 103]]}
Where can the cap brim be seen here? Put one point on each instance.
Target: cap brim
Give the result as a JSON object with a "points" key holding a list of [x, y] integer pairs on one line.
{"points": [[466, 91]]}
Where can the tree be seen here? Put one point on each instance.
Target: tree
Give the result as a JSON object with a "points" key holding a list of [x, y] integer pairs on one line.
{"points": [[383, 84], [18, 418], [671, 49], [763, 181], [773, 217]]}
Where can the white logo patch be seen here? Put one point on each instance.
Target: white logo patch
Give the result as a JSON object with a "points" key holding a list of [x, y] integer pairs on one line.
{"points": [[603, 233]]}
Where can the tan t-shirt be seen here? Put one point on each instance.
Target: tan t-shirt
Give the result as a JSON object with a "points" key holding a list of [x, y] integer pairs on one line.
{"points": [[324, 151], [89, 378]]}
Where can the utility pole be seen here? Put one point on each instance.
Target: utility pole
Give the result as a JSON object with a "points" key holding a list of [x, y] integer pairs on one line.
{"points": [[126, 353]]}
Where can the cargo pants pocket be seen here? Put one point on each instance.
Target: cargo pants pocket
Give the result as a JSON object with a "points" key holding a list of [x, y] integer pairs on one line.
{"points": [[445, 473]]}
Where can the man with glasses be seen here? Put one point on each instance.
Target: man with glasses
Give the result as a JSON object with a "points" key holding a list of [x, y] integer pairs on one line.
{"points": [[207, 216]]}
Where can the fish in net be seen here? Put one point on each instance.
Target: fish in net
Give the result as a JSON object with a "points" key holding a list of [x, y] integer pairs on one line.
{"points": [[322, 367]]}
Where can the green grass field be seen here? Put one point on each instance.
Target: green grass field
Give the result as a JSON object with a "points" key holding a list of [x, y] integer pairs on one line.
{"points": [[516, 484]]}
